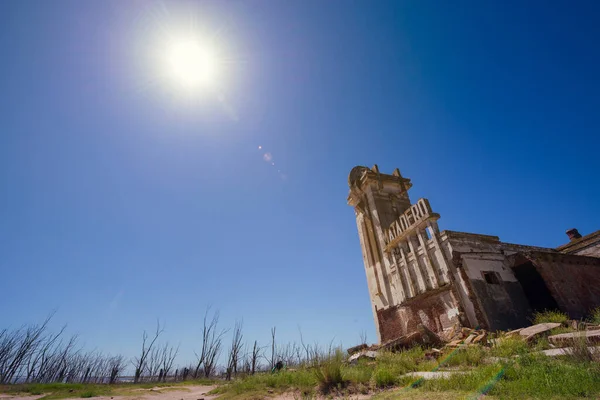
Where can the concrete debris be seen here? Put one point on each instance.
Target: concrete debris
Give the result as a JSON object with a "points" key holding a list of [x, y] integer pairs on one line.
{"points": [[403, 342], [568, 338], [433, 354], [358, 348], [467, 337], [535, 330], [429, 337], [423, 336], [432, 375], [567, 350], [573, 324], [470, 338], [481, 339], [466, 331], [495, 360], [515, 332], [369, 354]]}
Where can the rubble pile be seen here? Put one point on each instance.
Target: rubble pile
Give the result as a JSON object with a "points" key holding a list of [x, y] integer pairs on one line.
{"points": [[465, 337]]}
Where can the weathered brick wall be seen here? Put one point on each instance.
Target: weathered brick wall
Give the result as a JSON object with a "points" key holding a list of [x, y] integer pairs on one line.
{"points": [[438, 311], [573, 281]]}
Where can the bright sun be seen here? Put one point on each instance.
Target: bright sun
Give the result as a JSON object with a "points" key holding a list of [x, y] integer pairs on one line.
{"points": [[191, 64]]}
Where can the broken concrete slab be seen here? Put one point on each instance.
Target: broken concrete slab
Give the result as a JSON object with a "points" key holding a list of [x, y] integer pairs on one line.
{"points": [[454, 343], [467, 331], [432, 374], [495, 360], [565, 351], [358, 348], [362, 355], [564, 338], [511, 333], [572, 323], [471, 337], [429, 337], [403, 341], [535, 330], [591, 327], [481, 339]]}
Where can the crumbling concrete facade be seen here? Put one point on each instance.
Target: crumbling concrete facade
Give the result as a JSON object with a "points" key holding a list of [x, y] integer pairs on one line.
{"points": [[420, 277]]}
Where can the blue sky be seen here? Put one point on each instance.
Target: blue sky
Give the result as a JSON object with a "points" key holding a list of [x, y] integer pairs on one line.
{"points": [[123, 201]]}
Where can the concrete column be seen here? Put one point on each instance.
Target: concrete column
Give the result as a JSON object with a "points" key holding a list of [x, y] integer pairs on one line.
{"points": [[411, 291], [431, 270], [421, 274], [400, 287]]}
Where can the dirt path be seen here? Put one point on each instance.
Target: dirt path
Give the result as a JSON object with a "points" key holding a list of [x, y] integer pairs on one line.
{"points": [[173, 393], [167, 393], [20, 397], [158, 393]]}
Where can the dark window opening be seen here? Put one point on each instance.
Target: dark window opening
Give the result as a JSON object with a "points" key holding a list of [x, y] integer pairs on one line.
{"points": [[493, 278]]}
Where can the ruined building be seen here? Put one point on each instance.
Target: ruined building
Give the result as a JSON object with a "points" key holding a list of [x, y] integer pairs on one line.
{"points": [[419, 276]]}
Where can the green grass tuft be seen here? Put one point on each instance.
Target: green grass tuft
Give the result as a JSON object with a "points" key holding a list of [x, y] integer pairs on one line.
{"points": [[329, 372], [542, 377], [509, 346], [385, 377], [256, 386], [595, 316], [468, 357], [550, 316]]}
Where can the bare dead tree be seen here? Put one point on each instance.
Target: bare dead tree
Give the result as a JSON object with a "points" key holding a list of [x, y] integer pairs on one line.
{"points": [[363, 337], [287, 353], [65, 357], [116, 365], [16, 348], [32, 354], [140, 362], [306, 347], [167, 359], [254, 357], [38, 360], [212, 340], [234, 350], [153, 363], [273, 348]]}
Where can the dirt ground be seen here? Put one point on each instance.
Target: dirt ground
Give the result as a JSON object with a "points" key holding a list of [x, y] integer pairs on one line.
{"points": [[173, 393], [11, 397], [162, 393], [200, 393]]}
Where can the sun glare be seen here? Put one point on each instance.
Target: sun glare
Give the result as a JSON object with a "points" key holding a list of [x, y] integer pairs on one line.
{"points": [[191, 64]]}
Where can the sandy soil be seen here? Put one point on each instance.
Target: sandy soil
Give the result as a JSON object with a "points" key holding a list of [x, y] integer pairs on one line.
{"points": [[11, 397], [175, 393], [181, 393], [171, 393]]}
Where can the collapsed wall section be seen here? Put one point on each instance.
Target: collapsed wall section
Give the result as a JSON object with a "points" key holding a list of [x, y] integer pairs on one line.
{"points": [[499, 298], [439, 312]]}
